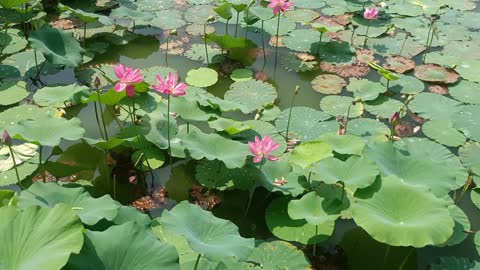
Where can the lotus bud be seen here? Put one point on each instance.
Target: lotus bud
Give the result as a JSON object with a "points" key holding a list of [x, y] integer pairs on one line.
{"points": [[297, 90], [211, 18], [96, 83], [395, 118], [174, 32], [6, 139]]}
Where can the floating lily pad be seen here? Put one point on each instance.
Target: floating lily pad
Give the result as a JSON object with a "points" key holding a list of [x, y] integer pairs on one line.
{"points": [[58, 96], [291, 61], [434, 106], [383, 106], [462, 225], [328, 84], [365, 127], [310, 208], [436, 74], [406, 85], [168, 19], [214, 174], [470, 156], [199, 14], [416, 218], [466, 120], [301, 40], [399, 64], [270, 26], [443, 132], [202, 77], [302, 15], [337, 53], [12, 92], [365, 89], [12, 42], [339, 105], [241, 75], [252, 94], [392, 45], [309, 4], [309, 153], [466, 91], [305, 123]]}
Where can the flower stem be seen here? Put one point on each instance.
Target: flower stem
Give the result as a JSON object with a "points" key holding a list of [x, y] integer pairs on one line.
{"points": [[197, 261], [250, 198], [226, 27], [366, 34], [205, 41], [42, 168], [168, 135], [98, 119], [15, 167], [263, 47], [101, 110], [319, 42], [290, 111], [315, 241], [236, 24], [166, 52], [403, 45], [36, 62], [276, 46]]}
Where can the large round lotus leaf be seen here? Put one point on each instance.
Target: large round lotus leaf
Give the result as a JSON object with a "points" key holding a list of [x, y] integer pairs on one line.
{"points": [[279, 255], [338, 105], [283, 227], [443, 132], [89, 209], [311, 208], [475, 196], [57, 96], [301, 40], [434, 106], [406, 85], [455, 263], [153, 5], [467, 121], [12, 116], [470, 156], [48, 131], [199, 14], [376, 27], [241, 74], [214, 174], [13, 42], [270, 26], [466, 91], [303, 16], [328, 84], [291, 61], [8, 198], [39, 238], [12, 92], [125, 12], [206, 234], [9, 72], [252, 94], [416, 218], [305, 122], [365, 89], [168, 19], [435, 74], [462, 224], [392, 45], [24, 170], [58, 46], [365, 127], [118, 248], [418, 161], [310, 152], [22, 152], [309, 4], [383, 106], [273, 171], [202, 77], [337, 53], [343, 144], [355, 172]]}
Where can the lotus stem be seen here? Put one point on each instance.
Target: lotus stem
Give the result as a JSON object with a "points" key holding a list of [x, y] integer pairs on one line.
{"points": [[188, 127], [388, 84], [343, 190], [297, 89], [42, 167], [315, 241], [133, 27], [276, 46], [353, 34], [226, 27], [319, 42], [197, 261], [403, 45], [386, 256], [84, 33], [36, 62], [168, 135], [406, 259], [114, 185], [429, 39], [166, 52], [348, 116], [98, 120], [246, 22], [205, 42], [366, 34], [15, 167], [101, 109], [263, 47], [250, 198], [5, 41], [236, 24], [309, 176], [465, 187]]}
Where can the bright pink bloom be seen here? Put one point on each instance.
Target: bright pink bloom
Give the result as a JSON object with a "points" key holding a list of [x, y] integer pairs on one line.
{"points": [[170, 85], [128, 76], [263, 148], [280, 6], [370, 14]]}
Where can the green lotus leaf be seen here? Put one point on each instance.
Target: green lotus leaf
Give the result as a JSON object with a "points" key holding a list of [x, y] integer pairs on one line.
{"points": [[12, 42], [470, 156], [261, 129], [263, 13], [57, 46], [8, 198], [355, 172], [310, 207], [337, 53], [466, 91], [241, 75], [206, 234], [214, 174], [12, 3], [443, 132], [202, 77], [291, 62], [230, 126], [279, 255], [12, 116], [23, 61], [328, 84], [168, 19], [12, 92], [393, 44], [475, 196], [343, 144], [153, 5], [197, 53], [128, 214], [9, 72], [383, 106], [48, 131], [462, 225], [416, 218], [90, 210], [309, 4], [118, 248], [148, 158], [154, 127], [406, 85], [436, 74], [44, 238], [364, 89], [455, 263], [365, 127], [22, 152], [323, 28], [283, 227], [25, 170], [58, 96], [303, 16], [434, 106], [376, 27], [85, 17], [466, 121], [301, 40], [127, 13], [213, 146], [224, 10], [339, 105], [310, 152], [199, 14], [273, 171], [305, 122], [251, 94], [270, 26]]}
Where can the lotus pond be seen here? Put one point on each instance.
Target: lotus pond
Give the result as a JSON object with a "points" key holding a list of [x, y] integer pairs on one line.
{"points": [[239, 134]]}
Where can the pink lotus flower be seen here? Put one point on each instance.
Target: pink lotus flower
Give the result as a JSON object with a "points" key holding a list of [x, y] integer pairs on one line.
{"points": [[128, 76], [370, 14], [395, 118], [263, 148], [280, 6], [170, 85], [6, 139]]}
